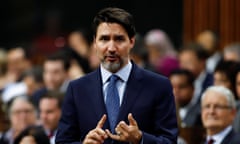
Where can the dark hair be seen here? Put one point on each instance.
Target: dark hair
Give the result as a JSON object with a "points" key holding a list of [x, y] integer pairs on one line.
{"points": [[35, 72], [189, 75], [37, 132], [60, 56], [115, 15], [230, 70], [198, 49], [53, 94]]}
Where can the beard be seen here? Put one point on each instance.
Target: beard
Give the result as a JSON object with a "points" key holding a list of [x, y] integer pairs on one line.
{"points": [[112, 66]]}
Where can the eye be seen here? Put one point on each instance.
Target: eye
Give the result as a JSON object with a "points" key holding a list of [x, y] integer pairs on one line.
{"points": [[104, 38], [120, 38]]}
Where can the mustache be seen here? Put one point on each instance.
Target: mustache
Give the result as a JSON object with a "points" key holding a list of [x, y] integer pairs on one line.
{"points": [[111, 55]]}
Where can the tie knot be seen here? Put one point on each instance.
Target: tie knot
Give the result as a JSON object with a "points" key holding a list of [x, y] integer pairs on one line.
{"points": [[211, 141], [114, 78]]}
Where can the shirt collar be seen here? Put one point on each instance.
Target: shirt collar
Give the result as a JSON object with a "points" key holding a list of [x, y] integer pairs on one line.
{"points": [[220, 136], [123, 73]]}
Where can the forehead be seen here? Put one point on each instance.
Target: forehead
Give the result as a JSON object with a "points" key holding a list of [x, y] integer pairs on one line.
{"points": [[110, 29], [53, 64], [48, 102], [21, 104], [179, 78], [214, 97]]}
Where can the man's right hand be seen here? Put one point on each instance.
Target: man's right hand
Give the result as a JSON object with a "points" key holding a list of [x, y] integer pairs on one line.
{"points": [[97, 135]]}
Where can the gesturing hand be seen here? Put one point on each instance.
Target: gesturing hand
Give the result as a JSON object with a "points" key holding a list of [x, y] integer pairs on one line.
{"points": [[97, 135], [127, 133]]}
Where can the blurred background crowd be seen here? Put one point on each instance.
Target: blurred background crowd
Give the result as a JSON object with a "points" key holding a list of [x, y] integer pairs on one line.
{"points": [[46, 44]]}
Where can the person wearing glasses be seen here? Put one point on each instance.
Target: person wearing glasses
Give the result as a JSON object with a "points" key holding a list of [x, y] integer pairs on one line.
{"points": [[218, 112], [22, 114]]}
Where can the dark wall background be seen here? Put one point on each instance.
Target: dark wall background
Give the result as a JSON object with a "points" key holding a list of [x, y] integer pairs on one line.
{"points": [[22, 20]]}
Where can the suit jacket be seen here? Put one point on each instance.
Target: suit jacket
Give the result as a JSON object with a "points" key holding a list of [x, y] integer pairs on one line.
{"points": [[231, 138], [148, 96], [193, 116]]}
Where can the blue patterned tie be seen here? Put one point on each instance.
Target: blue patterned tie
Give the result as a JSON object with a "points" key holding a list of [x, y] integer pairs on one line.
{"points": [[112, 102]]}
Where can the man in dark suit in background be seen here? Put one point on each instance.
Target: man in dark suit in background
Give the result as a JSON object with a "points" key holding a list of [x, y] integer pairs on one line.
{"points": [[218, 112], [183, 89], [145, 109]]}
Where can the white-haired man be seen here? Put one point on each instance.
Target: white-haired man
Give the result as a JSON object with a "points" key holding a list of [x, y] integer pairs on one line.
{"points": [[218, 112]]}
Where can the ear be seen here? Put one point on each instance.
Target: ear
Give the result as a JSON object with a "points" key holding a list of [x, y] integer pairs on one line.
{"points": [[132, 41]]}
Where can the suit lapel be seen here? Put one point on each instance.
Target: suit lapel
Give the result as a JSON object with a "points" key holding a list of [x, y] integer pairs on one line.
{"points": [[96, 94], [228, 137], [131, 92]]}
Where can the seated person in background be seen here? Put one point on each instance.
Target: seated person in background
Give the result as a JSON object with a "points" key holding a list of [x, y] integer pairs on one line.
{"points": [[55, 75], [183, 89], [232, 52], [236, 123], [50, 112], [225, 75], [193, 56], [162, 55], [32, 135], [22, 113], [218, 112], [210, 41], [31, 81]]}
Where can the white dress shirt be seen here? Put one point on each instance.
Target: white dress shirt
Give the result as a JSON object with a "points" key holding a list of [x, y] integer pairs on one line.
{"points": [[218, 138], [123, 74]]}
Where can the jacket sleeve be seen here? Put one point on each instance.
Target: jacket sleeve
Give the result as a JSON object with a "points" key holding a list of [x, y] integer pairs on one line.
{"points": [[68, 131]]}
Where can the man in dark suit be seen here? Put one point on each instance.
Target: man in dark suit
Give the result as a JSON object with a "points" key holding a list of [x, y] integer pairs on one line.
{"points": [[145, 109], [218, 112], [183, 89]]}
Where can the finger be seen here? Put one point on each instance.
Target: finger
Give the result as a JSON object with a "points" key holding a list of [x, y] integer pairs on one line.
{"points": [[122, 126], [101, 121], [112, 136], [95, 136], [131, 120], [101, 133]]}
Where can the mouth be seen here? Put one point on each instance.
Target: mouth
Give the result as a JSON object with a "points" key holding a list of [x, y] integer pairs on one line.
{"points": [[111, 58]]}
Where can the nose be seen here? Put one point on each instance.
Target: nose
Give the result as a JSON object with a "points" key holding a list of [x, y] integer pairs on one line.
{"points": [[112, 46]]}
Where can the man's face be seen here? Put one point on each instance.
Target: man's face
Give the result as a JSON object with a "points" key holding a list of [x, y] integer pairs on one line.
{"points": [[231, 56], [54, 74], [220, 78], [216, 113], [189, 60], [113, 45], [49, 113], [22, 114], [238, 84], [183, 91], [16, 62]]}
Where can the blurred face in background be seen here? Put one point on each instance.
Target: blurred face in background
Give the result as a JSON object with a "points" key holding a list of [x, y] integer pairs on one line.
{"points": [[49, 113], [182, 90], [238, 84], [16, 62], [54, 74], [189, 60], [208, 41], [22, 114], [216, 112], [78, 43], [231, 56], [221, 79]]}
